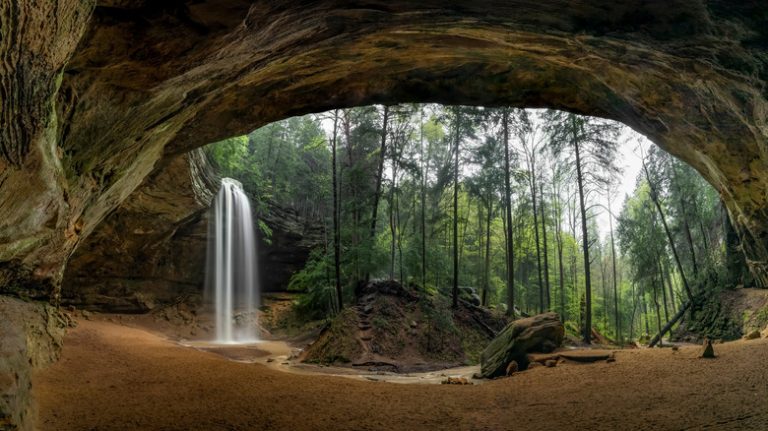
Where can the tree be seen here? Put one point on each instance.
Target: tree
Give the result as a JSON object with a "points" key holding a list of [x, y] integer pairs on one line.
{"points": [[594, 146], [336, 227], [379, 176]]}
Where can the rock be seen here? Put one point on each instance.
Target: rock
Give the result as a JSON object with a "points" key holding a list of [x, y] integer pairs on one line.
{"points": [[533, 365], [413, 324], [456, 381], [707, 351], [752, 335], [550, 363], [610, 359], [31, 337], [533, 334], [86, 314], [66, 103], [270, 360], [511, 369], [586, 355]]}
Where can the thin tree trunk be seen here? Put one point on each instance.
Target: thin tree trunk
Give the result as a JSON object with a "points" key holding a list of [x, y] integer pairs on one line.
{"points": [[656, 305], [645, 316], [456, 211], [346, 122], [559, 241], [508, 209], [585, 241], [379, 175], [655, 199], [393, 207], [615, 281], [668, 326], [546, 256], [532, 173], [663, 288], [484, 301], [424, 172], [336, 235]]}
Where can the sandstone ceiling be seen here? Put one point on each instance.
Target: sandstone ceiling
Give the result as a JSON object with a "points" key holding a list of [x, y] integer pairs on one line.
{"points": [[95, 95]]}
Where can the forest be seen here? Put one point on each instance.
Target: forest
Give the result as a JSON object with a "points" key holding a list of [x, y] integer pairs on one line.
{"points": [[519, 211]]}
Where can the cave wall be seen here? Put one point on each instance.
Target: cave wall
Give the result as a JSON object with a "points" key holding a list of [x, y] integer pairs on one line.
{"points": [[151, 251], [98, 94], [31, 337]]}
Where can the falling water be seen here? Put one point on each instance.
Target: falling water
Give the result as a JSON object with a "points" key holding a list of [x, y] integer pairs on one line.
{"points": [[232, 286]]}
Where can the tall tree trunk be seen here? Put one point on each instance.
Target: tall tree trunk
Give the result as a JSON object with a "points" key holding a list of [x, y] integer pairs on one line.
{"points": [[656, 304], [686, 226], [379, 175], [663, 288], [645, 316], [424, 173], [585, 240], [347, 125], [457, 118], [672, 300], [336, 227], [559, 243], [508, 209], [548, 297], [655, 199], [689, 238], [532, 173], [393, 207], [615, 281], [484, 301]]}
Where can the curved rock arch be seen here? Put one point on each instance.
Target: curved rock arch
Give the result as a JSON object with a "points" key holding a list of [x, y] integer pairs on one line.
{"points": [[146, 82]]}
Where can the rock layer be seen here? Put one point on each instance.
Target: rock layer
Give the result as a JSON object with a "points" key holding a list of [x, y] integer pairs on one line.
{"points": [[96, 95], [31, 337], [151, 250]]}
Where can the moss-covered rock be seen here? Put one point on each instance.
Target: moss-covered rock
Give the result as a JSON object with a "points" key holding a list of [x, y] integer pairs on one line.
{"points": [[541, 333]]}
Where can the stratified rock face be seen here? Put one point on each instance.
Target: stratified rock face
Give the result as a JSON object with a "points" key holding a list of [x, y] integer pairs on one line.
{"points": [[95, 95], [541, 333], [152, 249], [293, 239], [31, 336]]}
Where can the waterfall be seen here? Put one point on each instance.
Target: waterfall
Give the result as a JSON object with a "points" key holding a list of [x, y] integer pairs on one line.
{"points": [[232, 268]]}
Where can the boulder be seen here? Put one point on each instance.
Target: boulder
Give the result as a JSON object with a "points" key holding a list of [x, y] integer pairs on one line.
{"points": [[540, 333], [752, 335], [707, 351], [511, 368]]}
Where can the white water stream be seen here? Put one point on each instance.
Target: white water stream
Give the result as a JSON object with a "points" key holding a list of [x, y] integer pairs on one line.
{"points": [[232, 267]]}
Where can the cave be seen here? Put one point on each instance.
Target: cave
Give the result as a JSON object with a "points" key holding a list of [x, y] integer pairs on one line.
{"points": [[106, 103]]}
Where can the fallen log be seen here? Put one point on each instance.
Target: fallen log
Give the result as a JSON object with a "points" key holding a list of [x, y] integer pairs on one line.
{"points": [[669, 324]]}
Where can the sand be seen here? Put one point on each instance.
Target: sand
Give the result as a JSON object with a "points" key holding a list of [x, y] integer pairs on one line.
{"points": [[113, 377]]}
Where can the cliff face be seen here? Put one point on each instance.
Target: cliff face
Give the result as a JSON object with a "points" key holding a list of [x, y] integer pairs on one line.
{"points": [[97, 95], [293, 238], [151, 251]]}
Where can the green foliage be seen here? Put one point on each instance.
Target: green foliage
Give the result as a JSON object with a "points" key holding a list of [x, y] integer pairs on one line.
{"points": [[315, 282], [289, 162]]}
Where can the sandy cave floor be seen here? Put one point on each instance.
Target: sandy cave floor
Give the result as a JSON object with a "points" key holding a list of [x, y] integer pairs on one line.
{"points": [[114, 377]]}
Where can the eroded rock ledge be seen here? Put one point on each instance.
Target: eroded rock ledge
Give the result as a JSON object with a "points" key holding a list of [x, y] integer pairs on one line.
{"points": [[151, 251]]}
